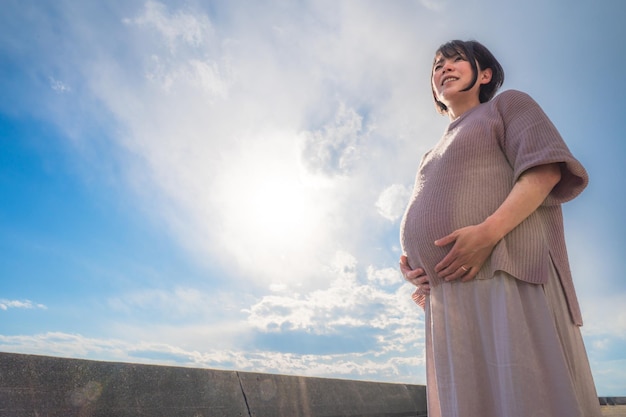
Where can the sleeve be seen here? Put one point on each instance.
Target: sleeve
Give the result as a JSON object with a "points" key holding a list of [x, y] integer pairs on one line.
{"points": [[530, 139]]}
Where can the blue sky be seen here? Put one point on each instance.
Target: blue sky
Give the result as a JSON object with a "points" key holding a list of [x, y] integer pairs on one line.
{"points": [[219, 183]]}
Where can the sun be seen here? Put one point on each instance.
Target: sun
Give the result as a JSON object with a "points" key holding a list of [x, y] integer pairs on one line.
{"points": [[281, 209], [269, 215]]}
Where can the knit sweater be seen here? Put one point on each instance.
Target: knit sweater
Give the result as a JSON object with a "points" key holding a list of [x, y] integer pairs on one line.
{"points": [[471, 171]]}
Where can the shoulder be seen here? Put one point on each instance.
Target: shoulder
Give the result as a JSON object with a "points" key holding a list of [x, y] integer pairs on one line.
{"points": [[513, 97], [513, 104]]}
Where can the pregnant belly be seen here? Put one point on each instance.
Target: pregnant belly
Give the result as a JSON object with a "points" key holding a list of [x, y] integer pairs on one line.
{"points": [[421, 226]]}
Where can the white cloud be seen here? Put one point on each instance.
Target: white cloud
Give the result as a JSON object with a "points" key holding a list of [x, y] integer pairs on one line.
{"points": [[178, 303], [334, 149], [203, 75], [364, 366], [347, 305], [59, 86], [346, 309], [180, 27], [225, 145], [385, 276], [393, 201], [23, 304], [319, 311]]}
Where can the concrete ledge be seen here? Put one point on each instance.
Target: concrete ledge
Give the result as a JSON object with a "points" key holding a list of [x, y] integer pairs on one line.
{"points": [[35, 386], [612, 400], [279, 395]]}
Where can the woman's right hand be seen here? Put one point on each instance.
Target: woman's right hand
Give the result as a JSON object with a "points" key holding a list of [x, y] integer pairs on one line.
{"points": [[418, 278]]}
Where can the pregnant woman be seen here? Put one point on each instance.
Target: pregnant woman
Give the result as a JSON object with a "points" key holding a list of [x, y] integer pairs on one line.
{"points": [[483, 242]]}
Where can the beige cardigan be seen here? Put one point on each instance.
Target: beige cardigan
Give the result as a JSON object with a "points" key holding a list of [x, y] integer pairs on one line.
{"points": [[470, 172]]}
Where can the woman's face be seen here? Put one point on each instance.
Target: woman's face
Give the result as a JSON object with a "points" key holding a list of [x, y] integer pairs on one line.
{"points": [[450, 76]]}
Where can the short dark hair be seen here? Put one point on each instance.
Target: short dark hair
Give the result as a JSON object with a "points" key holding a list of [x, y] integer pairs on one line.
{"points": [[474, 52]]}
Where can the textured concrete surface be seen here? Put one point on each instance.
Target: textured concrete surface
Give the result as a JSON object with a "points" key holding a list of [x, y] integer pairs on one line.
{"points": [[37, 386], [289, 396], [614, 410], [44, 386], [40, 386], [613, 406]]}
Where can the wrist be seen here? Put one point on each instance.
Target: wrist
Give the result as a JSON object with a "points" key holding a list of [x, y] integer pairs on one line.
{"points": [[494, 229]]}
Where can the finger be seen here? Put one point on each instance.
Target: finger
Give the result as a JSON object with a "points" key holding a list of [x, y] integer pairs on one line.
{"points": [[447, 262], [416, 280], [423, 280], [415, 273], [460, 272], [403, 263], [442, 266], [404, 266], [405, 270], [471, 274], [446, 240], [447, 267], [419, 280], [423, 288]]}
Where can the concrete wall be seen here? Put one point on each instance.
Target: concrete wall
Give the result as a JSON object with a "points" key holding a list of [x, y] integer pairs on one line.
{"points": [[38, 386]]}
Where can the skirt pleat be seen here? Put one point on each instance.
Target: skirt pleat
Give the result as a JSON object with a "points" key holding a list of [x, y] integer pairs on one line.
{"points": [[502, 347]]}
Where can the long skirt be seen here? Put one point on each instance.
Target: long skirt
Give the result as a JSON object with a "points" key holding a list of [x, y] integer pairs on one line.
{"points": [[501, 347]]}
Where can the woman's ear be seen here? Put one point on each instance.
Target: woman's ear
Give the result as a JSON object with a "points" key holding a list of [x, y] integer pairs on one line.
{"points": [[485, 76]]}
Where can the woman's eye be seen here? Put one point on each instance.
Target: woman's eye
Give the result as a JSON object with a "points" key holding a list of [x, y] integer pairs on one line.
{"points": [[459, 58]]}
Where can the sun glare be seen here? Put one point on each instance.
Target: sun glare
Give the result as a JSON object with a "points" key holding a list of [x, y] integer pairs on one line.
{"points": [[280, 210], [269, 213]]}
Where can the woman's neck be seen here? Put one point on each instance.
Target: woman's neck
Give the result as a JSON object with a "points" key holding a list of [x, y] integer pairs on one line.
{"points": [[456, 109]]}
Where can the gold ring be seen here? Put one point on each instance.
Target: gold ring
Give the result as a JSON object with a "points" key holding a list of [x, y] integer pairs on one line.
{"points": [[464, 268]]}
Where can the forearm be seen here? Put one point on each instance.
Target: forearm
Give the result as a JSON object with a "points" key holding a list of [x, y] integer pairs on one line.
{"points": [[526, 196], [472, 245]]}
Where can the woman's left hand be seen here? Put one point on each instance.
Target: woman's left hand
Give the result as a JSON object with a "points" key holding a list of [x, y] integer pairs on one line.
{"points": [[471, 247]]}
